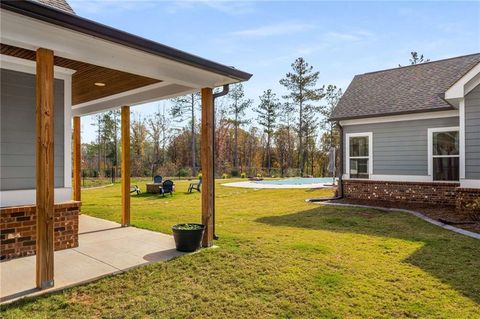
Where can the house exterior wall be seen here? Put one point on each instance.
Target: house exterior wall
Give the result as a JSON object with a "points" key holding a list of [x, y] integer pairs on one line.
{"points": [[400, 148], [442, 194], [472, 134], [18, 229], [17, 131]]}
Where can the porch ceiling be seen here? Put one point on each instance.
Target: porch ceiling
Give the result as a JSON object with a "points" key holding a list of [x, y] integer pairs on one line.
{"points": [[86, 75]]}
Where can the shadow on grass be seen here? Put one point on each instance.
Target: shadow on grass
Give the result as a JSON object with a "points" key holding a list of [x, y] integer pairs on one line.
{"points": [[452, 258]]}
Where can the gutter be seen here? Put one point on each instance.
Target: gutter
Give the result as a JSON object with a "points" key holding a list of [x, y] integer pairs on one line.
{"points": [[225, 90], [73, 22]]}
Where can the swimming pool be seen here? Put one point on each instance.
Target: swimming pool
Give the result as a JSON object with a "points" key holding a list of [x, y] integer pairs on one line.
{"points": [[297, 181]]}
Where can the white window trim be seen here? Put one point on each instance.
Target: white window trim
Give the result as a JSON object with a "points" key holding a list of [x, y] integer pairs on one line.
{"points": [[370, 152], [430, 147], [27, 197]]}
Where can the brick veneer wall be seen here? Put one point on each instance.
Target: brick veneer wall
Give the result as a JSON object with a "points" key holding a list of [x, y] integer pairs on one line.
{"points": [[444, 194], [18, 229]]}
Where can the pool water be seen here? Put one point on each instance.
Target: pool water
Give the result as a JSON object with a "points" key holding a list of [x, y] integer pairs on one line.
{"points": [[298, 181]]}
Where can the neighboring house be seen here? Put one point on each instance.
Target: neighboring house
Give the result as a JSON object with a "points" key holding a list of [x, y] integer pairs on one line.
{"points": [[413, 133], [56, 67]]}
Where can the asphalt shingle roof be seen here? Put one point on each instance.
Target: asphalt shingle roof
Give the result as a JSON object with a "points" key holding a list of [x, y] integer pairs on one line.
{"points": [[410, 89], [58, 4]]}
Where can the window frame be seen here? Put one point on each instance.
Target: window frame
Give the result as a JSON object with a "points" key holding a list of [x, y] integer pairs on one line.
{"points": [[431, 131], [369, 135]]}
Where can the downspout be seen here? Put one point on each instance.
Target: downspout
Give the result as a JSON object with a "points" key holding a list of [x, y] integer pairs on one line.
{"points": [[224, 91]]}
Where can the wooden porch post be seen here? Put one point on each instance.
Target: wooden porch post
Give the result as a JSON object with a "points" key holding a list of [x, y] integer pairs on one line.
{"points": [[44, 168], [77, 159], [207, 157], [125, 165]]}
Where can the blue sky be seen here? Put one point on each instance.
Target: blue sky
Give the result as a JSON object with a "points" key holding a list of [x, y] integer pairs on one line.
{"points": [[340, 39]]}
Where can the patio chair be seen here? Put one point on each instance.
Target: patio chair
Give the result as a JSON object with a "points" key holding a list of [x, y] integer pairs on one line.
{"points": [[167, 187], [135, 189], [196, 186], [157, 179]]}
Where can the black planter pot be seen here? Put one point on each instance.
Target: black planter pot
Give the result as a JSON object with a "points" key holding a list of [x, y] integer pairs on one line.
{"points": [[188, 240]]}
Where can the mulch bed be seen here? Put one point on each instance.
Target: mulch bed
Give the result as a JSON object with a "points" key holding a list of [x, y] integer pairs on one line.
{"points": [[440, 213]]}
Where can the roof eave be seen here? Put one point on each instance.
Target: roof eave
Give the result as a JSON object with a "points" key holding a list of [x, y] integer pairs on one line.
{"points": [[73, 22]]}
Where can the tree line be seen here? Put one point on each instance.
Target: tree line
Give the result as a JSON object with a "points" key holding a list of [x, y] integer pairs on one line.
{"points": [[288, 135]]}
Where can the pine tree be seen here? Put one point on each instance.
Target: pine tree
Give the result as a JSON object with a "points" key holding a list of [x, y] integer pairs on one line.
{"points": [[267, 112], [184, 108], [238, 105], [302, 82]]}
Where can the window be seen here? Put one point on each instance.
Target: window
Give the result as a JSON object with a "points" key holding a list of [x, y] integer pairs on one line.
{"points": [[359, 155], [444, 153]]}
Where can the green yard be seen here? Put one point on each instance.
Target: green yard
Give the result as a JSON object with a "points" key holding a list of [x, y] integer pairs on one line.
{"points": [[279, 257]]}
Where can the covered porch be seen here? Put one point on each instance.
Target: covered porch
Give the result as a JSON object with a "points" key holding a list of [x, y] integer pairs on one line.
{"points": [[78, 67], [105, 248]]}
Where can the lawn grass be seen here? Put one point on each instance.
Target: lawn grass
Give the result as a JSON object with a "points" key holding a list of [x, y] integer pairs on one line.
{"points": [[279, 257]]}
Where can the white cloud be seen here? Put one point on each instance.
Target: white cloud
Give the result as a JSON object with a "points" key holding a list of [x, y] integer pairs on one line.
{"points": [[354, 36], [274, 30]]}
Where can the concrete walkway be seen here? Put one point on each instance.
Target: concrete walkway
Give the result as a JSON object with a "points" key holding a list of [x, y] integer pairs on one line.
{"points": [[104, 248]]}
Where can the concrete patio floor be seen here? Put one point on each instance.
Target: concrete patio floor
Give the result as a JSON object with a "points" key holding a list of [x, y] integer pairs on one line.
{"points": [[104, 248]]}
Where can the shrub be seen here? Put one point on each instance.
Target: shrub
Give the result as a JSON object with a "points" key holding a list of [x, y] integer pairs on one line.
{"points": [[182, 172], [225, 176], [473, 210], [199, 175], [243, 175], [234, 173]]}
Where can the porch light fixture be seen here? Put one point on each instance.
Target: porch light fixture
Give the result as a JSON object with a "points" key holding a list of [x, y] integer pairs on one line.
{"points": [[99, 84]]}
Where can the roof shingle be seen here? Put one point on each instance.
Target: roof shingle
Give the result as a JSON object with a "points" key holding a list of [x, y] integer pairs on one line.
{"points": [[410, 89], [58, 4]]}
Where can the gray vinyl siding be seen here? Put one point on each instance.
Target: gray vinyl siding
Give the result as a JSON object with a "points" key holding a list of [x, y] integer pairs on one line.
{"points": [[400, 148], [17, 131], [472, 134]]}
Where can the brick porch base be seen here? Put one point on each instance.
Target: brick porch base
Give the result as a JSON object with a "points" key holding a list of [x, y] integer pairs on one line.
{"points": [[18, 229]]}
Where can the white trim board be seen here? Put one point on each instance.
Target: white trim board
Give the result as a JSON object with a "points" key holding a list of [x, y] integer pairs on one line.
{"points": [[461, 109], [29, 196], [463, 86], [149, 93], [400, 118], [470, 183], [398, 178]]}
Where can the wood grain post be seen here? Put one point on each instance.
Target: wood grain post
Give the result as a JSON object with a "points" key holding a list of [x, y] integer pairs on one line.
{"points": [[44, 168], [125, 165], [207, 158], [77, 159]]}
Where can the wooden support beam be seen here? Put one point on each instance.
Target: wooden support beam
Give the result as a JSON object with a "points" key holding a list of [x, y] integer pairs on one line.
{"points": [[207, 158], [125, 165], [77, 159], [44, 168]]}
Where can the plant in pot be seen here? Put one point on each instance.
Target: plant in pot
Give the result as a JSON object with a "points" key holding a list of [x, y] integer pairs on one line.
{"points": [[188, 236]]}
